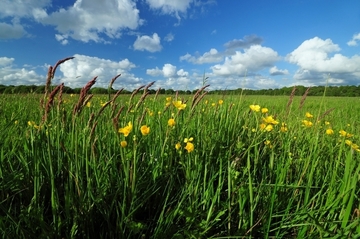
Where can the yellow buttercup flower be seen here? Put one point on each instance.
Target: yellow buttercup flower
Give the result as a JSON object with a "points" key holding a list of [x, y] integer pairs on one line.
{"points": [[255, 108], [283, 128], [307, 123], [171, 122], [264, 110], [123, 143], [329, 131], [270, 120], [126, 130], [145, 130], [355, 146], [269, 127], [179, 105], [343, 133], [262, 126], [177, 146], [88, 104], [189, 147], [308, 115], [188, 139], [32, 124], [221, 102], [268, 143]]}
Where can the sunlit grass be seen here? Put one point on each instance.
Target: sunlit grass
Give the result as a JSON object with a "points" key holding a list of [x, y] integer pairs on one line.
{"points": [[192, 166]]}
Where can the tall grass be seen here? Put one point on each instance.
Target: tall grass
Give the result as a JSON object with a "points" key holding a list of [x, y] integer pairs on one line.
{"points": [[74, 168]]}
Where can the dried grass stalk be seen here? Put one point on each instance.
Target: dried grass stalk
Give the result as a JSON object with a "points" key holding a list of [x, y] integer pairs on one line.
{"points": [[130, 108], [157, 93], [325, 113], [51, 73], [146, 93], [60, 100], [304, 97], [83, 98], [93, 130], [196, 98], [111, 84], [142, 117], [87, 99], [149, 85], [103, 108], [199, 99], [113, 80], [135, 92], [142, 98], [292, 95], [50, 101], [91, 119], [117, 94]]}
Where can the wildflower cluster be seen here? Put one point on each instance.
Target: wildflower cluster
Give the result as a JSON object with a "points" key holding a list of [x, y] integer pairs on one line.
{"points": [[307, 123], [179, 105], [189, 146], [33, 124], [268, 123], [352, 145]]}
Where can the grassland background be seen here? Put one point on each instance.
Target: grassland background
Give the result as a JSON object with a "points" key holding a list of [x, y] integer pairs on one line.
{"points": [[68, 177]]}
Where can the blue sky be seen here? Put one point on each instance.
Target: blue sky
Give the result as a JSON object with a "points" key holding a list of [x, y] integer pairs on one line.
{"points": [[238, 44]]}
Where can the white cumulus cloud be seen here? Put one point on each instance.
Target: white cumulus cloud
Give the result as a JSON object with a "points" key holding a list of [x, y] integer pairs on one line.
{"points": [[318, 60], [169, 6], [354, 40], [248, 41], [62, 38], [78, 71], [253, 59], [169, 37], [87, 20], [12, 75], [21, 8], [274, 71], [208, 57], [6, 61], [151, 44], [174, 79], [168, 70]]}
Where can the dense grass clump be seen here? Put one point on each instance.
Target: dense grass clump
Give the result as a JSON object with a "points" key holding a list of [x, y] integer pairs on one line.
{"points": [[150, 166]]}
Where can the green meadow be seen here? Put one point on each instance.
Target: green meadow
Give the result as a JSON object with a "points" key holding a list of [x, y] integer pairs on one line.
{"points": [[178, 166]]}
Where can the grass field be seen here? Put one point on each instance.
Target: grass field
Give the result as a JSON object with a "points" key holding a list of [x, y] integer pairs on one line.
{"points": [[199, 166]]}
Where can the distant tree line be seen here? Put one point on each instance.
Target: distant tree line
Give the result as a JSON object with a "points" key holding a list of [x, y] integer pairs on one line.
{"points": [[348, 91]]}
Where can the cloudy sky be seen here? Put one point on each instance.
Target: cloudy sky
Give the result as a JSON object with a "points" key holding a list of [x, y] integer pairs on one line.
{"points": [[237, 44]]}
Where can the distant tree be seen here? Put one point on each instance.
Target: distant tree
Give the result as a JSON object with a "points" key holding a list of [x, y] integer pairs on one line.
{"points": [[77, 90], [98, 90], [169, 92]]}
